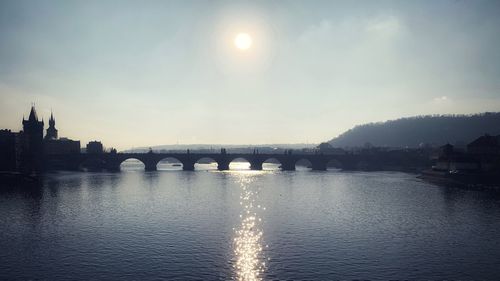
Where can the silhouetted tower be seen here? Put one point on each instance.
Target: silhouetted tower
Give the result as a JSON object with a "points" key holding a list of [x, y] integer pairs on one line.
{"points": [[32, 150], [51, 130]]}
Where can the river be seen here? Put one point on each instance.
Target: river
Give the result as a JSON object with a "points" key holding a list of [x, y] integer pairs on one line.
{"points": [[247, 225]]}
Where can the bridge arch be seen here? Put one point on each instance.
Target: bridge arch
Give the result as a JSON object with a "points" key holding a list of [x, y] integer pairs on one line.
{"points": [[206, 164], [169, 164], [132, 164], [239, 163], [303, 164], [271, 164]]}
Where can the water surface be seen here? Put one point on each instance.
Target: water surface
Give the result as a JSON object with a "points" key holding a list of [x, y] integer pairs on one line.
{"points": [[271, 225]]}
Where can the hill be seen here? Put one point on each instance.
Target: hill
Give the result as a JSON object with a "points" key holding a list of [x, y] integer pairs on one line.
{"points": [[415, 131]]}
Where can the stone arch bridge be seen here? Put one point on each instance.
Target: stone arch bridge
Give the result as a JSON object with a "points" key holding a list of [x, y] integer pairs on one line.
{"points": [[112, 161]]}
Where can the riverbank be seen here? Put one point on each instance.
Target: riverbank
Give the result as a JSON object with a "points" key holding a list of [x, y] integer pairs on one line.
{"points": [[488, 181], [8, 178]]}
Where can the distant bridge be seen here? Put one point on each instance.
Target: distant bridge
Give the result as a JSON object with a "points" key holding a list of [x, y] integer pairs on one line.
{"points": [[112, 161]]}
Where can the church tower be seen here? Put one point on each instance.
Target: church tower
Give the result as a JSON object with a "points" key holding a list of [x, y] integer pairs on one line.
{"points": [[32, 151], [51, 130]]}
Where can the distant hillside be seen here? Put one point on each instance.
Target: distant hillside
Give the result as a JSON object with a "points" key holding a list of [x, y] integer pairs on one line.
{"points": [[413, 131], [216, 147]]}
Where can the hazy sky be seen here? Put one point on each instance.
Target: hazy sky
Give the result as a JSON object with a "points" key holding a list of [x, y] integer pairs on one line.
{"points": [[138, 73]]}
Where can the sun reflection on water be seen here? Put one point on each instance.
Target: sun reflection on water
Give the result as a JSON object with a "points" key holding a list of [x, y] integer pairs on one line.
{"points": [[248, 247]]}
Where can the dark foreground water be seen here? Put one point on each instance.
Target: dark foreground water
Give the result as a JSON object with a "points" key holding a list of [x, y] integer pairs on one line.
{"points": [[247, 225]]}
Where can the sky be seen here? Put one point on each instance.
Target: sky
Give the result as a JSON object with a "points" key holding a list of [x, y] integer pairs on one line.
{"points": [[143, 73]]}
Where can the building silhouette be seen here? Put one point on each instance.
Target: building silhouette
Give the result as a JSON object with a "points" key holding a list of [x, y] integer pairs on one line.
{"points": [[52, 145], [28, 151], [95, 147], [485, 145], [8, 153], [60, 146], [482, 156], [51, 130], [32, 146]]}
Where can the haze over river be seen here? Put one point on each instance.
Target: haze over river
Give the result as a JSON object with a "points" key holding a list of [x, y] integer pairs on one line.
{"points": [[248, 225]]}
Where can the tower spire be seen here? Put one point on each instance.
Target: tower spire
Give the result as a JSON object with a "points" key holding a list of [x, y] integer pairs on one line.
{"points": [[33, 116], [51, 131]]}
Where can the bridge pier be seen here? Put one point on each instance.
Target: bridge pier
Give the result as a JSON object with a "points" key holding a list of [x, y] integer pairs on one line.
{"points": [[113, 168], [288, 165], [150, 167], [256, 166], [149, 162], [188, 166], [222, 165]]}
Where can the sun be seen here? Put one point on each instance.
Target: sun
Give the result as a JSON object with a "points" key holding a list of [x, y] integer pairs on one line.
{"points": [[243, 41]]}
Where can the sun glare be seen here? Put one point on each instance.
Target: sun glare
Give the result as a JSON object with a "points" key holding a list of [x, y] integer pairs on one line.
{"points": [[243, 41]]}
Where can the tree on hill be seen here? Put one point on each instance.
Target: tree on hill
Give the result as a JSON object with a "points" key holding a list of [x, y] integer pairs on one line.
{"points": [[421, 130]]}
